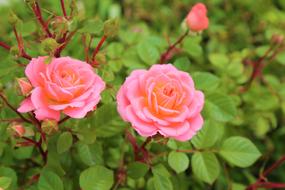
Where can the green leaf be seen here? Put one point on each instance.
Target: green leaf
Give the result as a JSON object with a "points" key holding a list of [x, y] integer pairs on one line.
{"points": [[107, 121], [178, 161], [239, 151], [182, 63], [205, 137], [93, 27], [96, 178], [49, 181], [8, 172], [85, 154], [220, 107], [219, 60], [64, 142], [137, 170], [161, 178], [205, 166], [192, 47], [206, 81], [5, 182], [148, 52]]}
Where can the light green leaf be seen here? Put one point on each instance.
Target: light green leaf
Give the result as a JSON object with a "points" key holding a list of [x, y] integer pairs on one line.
{"points": [[49, 181], [219, 60], [137, 170], [182, 63], [178, 161], [205, 166], [96, 178], [148, 52], [239, 151], [64, 142], [206, 81], [192, 47], [220, 107], [107, 121], [5, 182], [205, 137], [93, 27]]}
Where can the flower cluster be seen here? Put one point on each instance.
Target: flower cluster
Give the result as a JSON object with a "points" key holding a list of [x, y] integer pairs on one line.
{"points": [[159, 100]]}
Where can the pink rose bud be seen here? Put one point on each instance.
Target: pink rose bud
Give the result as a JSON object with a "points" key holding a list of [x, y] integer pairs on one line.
{"points": [[161, 100], [25, 86], [64, 85], [49, 127], [197, 19], [17, 130]]}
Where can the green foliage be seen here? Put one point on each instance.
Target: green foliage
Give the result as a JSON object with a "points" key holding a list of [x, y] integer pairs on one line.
{"points": [[205, 166], [94, 153], [239, 151], [96, 178]]}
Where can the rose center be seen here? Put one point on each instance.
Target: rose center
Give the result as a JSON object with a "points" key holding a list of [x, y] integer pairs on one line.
{"points": [[168, 91]]}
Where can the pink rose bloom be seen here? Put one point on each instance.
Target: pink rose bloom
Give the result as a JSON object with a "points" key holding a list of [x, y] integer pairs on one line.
{"points": [[65, 84], [162, 99], [197, 19]]}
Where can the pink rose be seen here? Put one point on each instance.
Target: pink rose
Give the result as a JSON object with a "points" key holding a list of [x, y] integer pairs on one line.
{"points": [[65, 84], [162, 99], [197, 19]]}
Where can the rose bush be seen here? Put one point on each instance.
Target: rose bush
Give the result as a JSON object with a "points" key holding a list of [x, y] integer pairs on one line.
{"points": [[132, 95]]}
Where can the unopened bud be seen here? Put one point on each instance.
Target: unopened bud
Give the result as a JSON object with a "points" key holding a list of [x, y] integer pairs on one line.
{"points": [[24, 86], [49, 127], [111, 27], [277, 39], [17, 130], [59, 25], [13, 19], [49, 46]]}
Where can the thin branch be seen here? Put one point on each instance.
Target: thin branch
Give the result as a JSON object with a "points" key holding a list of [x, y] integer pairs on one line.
{"points": [[21, 45], [63, 9], [63, 120], [60, 48], [101, 42], [13, 109], [5, 46], [165, 56], [37, 11]]}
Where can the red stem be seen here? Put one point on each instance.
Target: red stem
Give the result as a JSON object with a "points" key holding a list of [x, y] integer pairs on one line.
{"points": [[101, 42], [261, 183], [21, 45], [165, 56], [37, 11], [14, 109], [63, 9], [59, 50], [4, 45]]}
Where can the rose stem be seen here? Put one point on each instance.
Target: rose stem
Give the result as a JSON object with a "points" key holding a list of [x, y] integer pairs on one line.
{"points": [[165, 55], [63, 9], [21, 45], [13, 109], [5, 46], [38, 13], [263, 175], [60, 48], [258, 66], [101, 42], [63, 120]]}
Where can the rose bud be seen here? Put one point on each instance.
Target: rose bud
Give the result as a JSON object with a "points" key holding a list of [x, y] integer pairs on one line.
{"points": [[25, 87], [197, 19], [49, 127], [17, 130]]}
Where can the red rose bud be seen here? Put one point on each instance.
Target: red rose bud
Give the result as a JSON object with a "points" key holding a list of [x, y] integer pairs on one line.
{"points": [[17, 130], [25, 86], [197, 19], [49, 127]]}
